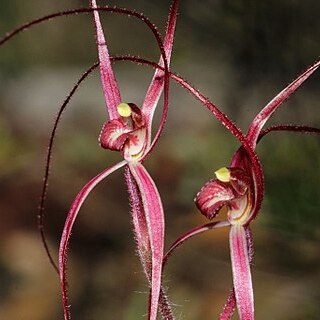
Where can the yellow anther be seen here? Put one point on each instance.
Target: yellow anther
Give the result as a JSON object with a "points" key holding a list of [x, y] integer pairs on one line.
{"points": [[223, 174], [124, 110]]}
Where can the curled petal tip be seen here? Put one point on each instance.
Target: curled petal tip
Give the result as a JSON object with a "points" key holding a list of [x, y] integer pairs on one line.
{"points": [[127, 133], [211, 198], [114, 135]]}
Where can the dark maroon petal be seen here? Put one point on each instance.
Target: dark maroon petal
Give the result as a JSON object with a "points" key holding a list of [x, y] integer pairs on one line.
{"points": [[240, 159], [213, 195], [114, 134], [138, 119], [239, 180]]}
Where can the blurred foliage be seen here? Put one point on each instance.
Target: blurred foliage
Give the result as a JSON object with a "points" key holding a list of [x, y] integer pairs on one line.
{"points": [[291, 184], [261, 38], [240, 53]]}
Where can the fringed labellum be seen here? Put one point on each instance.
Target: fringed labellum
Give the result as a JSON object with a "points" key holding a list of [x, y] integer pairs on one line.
{"points": [[127, 133], [231, 188]]}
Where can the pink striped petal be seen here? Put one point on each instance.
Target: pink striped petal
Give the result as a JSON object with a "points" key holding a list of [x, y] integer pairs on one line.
{"points": [[126, 133], [138, 215], [155, 222], [114, 134], [212, 196], [142, 238], [230, 304], [157, 84], [241, 272], [271, 107], [109, 83], [72, 215], [216, 193]]}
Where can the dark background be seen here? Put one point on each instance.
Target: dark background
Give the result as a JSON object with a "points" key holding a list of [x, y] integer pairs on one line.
{"points": [[240, 54]]}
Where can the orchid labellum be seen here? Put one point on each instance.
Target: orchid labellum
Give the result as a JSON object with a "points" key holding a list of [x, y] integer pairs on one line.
{"points": [[236, 189]]}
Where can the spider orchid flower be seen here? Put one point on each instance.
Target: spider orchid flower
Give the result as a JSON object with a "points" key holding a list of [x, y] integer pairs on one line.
{"points": [[128, 130], [234, 188]]}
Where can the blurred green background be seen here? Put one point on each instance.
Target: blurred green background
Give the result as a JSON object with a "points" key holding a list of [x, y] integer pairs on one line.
{"points": [[240, 54]]}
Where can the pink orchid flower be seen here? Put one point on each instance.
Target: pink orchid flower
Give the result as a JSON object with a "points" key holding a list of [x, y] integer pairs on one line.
{"points": [[239, 189], [129, 131]]}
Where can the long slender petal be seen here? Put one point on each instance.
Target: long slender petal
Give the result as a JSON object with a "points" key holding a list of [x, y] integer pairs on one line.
{"points": [[191, 233], [230, 304], [143, 241], [73, 212], [241, 272], [156, 86], [271, 107], [155, 221], [138, 215], [108, 79]]}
